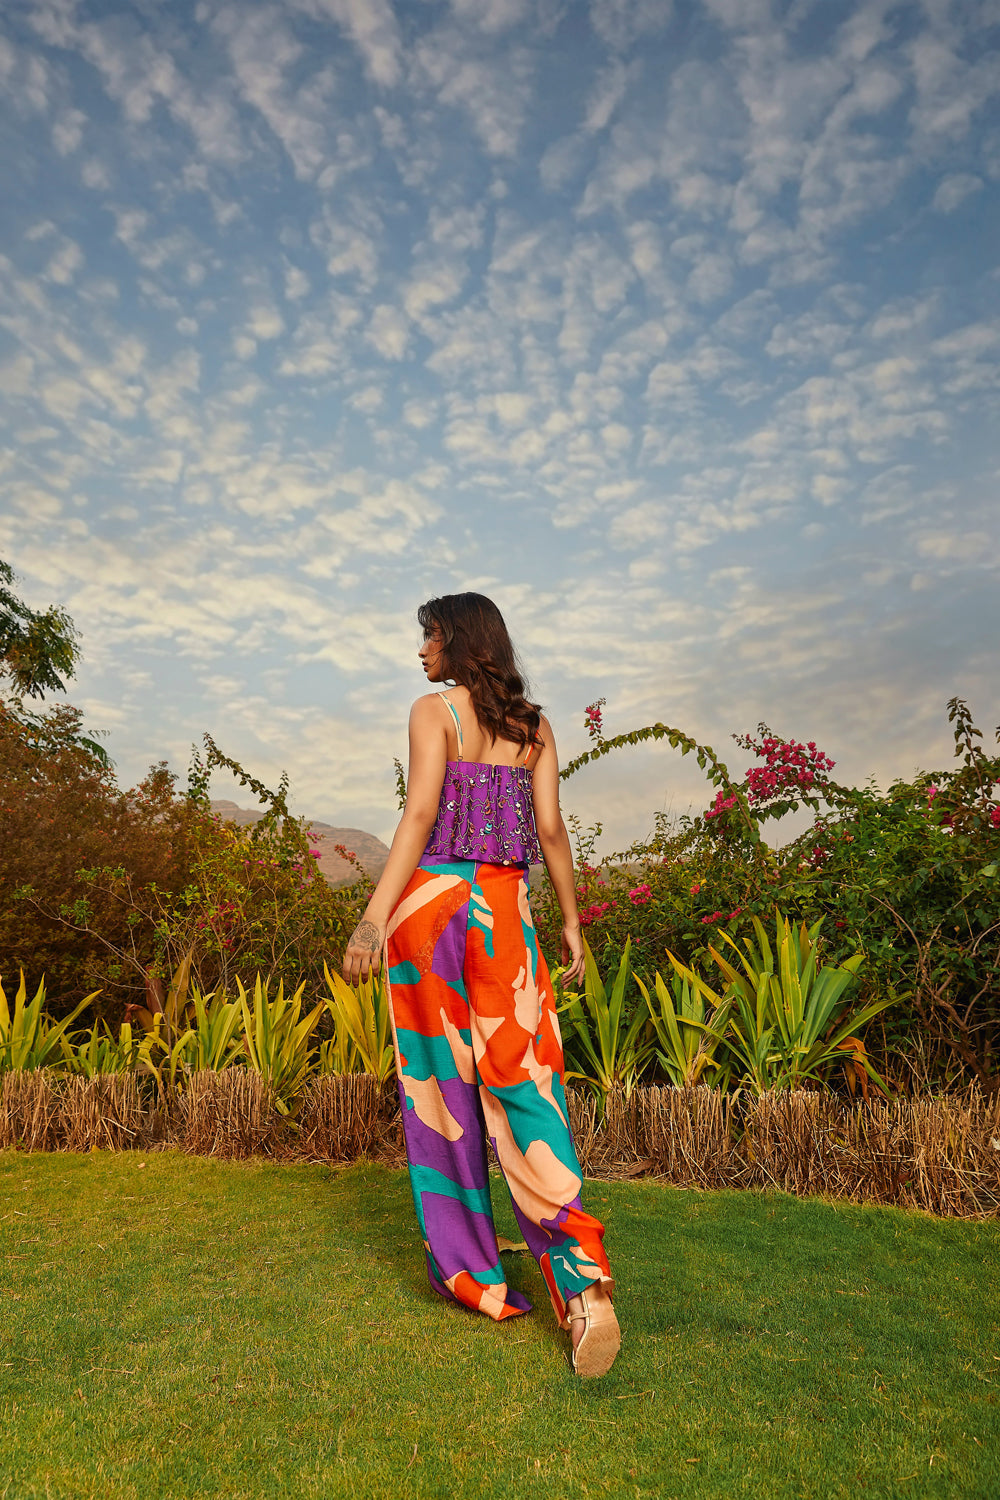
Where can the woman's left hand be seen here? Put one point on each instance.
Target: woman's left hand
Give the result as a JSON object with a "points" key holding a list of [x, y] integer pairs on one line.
{"points": [[571, 951], [363, 954]]}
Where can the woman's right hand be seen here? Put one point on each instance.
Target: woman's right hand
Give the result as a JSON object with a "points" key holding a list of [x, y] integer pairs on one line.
{"points": [[571, 952], [363, 954]]}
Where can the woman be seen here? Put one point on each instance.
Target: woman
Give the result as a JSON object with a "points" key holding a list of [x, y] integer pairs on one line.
{"points": [[474, 1022]]}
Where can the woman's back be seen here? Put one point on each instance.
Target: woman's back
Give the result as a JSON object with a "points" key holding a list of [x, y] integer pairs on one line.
{"points": [[469, 741]]}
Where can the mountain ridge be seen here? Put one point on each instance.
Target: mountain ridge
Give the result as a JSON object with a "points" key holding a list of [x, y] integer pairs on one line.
{"points": [[371, 851]]}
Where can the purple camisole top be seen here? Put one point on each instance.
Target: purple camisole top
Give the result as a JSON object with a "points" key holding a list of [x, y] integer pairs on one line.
{"points": [[485, 813]]}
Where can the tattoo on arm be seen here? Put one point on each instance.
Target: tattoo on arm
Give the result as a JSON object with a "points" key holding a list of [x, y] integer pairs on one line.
{"points": [[366, 936]]}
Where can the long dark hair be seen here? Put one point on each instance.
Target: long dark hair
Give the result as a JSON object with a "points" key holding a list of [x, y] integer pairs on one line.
{"points": [[479, 654]]}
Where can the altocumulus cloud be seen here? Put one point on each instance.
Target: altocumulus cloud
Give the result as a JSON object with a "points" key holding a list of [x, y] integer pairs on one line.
{"points": [[674, 327]]}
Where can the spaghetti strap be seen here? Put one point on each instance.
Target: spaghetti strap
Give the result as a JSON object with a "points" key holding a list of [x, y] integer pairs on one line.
{"points": [[531, 750], [458, 722]]}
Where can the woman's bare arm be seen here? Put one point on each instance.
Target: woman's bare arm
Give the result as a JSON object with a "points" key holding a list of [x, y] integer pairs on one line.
{"points": [[428, 754], [556, 851]]}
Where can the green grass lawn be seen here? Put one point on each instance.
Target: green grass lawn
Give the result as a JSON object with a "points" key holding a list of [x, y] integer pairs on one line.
{"points": [[174, 1326]]}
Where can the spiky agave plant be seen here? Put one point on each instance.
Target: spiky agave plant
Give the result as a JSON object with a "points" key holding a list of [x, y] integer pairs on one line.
{"points": [[791, 1013], [608, 1051], [689, 1020], [362, 1039], [28, 1038], [100, 1051], [211, 1042], [277, 1039]]}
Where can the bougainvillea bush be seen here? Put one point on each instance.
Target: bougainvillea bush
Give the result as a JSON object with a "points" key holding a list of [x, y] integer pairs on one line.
{"points": [[909, 876]]}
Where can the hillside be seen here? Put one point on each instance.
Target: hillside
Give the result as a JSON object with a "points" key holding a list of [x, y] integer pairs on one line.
{"points": [[370, 851]]}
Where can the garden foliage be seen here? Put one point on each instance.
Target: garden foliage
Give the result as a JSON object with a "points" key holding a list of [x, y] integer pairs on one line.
{"points": [[607, 1047], [38, 648], [784, 1020], [144, 897], [112, 890], [28, 1038], [788, 1022], [192, 1033], [908, 877]]}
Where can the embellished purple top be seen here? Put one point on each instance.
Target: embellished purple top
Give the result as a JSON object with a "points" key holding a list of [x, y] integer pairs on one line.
{"points": [[485, 814]]}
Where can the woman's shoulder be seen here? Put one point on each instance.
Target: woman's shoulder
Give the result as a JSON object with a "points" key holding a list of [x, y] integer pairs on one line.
{"points": [[544, 738], [426, 705]]}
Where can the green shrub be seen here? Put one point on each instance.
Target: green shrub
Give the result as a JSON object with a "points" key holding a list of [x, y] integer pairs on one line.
{"points": [[62, 818], [107, 889], [690, 1035], [277, 1040]]}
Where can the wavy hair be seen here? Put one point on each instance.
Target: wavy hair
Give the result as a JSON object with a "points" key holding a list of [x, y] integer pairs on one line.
{"points": [[479, 654]]}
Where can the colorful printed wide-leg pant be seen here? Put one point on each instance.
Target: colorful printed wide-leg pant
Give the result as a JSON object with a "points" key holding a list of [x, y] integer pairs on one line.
{"points": [[478, 1053]]}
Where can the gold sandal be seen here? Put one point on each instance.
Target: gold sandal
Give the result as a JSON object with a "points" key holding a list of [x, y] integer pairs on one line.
{"points": [[598, 1348]]}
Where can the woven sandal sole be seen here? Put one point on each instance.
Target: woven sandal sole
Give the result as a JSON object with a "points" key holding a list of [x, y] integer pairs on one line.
{"points": [[597, 1350]]}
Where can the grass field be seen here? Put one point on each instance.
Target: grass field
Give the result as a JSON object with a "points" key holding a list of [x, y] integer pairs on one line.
{"points": [[174, 1326]]}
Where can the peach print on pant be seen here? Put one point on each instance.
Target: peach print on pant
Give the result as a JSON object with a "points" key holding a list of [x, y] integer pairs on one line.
{"points": [[478, 1054]]}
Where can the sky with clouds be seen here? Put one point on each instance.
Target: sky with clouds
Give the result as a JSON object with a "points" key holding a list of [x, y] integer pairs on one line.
{"points": [[674, 327]]}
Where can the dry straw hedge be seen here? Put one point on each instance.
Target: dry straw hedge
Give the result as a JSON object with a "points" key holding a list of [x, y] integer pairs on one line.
{"points": [[942, 1155]]}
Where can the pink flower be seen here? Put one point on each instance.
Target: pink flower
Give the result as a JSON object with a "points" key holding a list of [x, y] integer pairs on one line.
{"points": [[787, 764], [695, 889], [596, 910], [722, 804], [593, 720], [640, 895], [717, 916], [995, 816]]}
